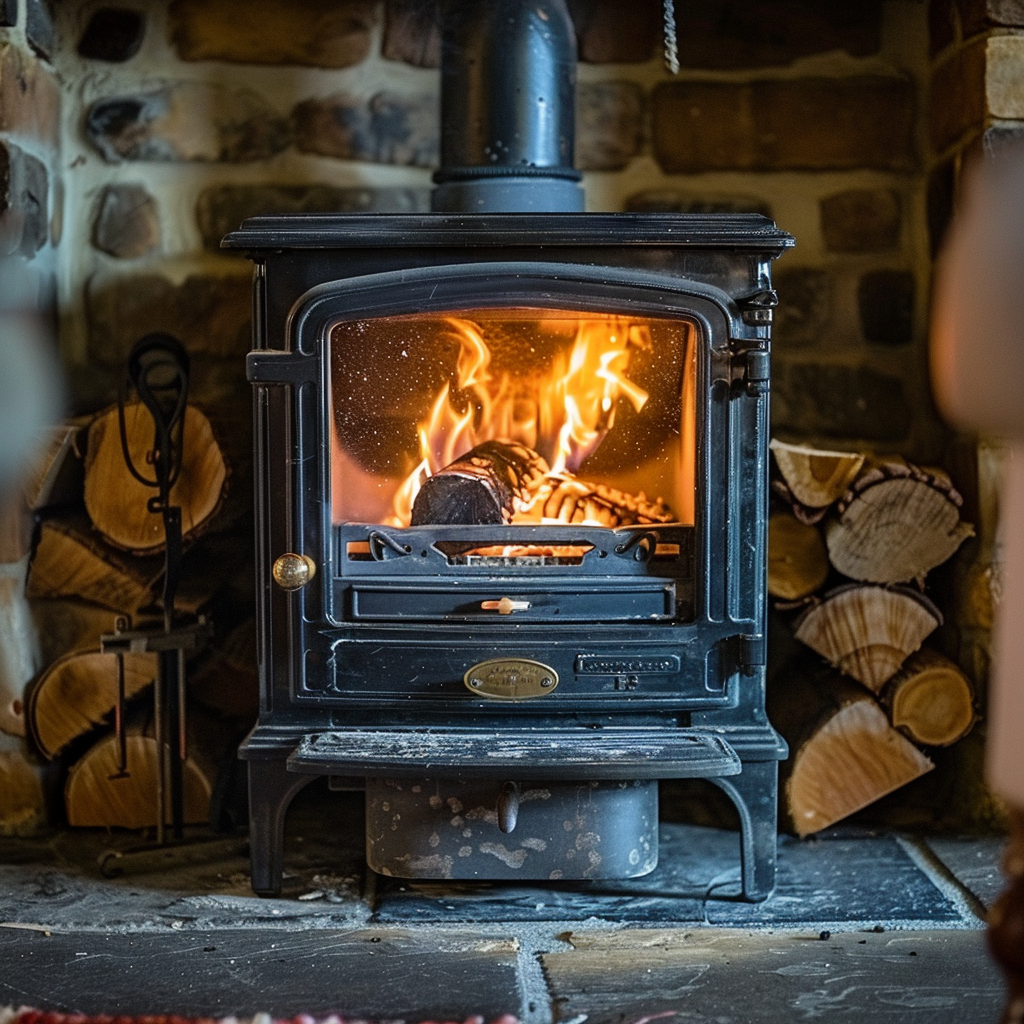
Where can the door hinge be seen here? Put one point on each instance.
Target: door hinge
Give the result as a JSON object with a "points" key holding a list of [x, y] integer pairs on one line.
{"points": [[747, 652], [757, 371]]}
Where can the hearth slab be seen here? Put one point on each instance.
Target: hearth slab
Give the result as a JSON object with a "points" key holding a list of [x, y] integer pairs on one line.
{"points": [[836, 882]]}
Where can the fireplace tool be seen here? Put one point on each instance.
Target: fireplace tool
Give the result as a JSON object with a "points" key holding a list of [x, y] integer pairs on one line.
{"points": [[157, 371]]}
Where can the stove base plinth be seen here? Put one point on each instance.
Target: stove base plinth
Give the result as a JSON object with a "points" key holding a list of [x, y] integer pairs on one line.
{"points": [[451, 829]]}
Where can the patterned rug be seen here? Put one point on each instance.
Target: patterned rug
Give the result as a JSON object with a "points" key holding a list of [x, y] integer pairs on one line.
{"points": [[24, 1015]]}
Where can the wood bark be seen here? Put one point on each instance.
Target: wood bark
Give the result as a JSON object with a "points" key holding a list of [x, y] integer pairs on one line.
{"points": [[483, 487], [895, 524], [79, 692], [816, 478], [844, 754], [930, 700], [95, 797], [797, 559], [868, 631], [117, 502]]}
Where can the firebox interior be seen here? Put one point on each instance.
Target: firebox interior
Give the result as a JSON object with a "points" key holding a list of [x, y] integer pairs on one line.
{"points": [[606, 402]]}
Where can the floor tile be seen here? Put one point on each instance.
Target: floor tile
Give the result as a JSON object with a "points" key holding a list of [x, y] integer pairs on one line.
{"points": [[725, 977], [364, 974], [975, 863]]}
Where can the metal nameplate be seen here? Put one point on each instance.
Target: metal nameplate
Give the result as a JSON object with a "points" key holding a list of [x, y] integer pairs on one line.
{"points": [[599, 665], [511, 679]]}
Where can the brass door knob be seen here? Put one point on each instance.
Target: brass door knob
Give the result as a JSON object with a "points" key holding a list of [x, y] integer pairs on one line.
{"points": [[292, 572]]}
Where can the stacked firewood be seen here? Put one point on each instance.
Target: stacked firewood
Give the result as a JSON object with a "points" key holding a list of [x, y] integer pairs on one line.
{"points": [[851, 541], [91, 557]]}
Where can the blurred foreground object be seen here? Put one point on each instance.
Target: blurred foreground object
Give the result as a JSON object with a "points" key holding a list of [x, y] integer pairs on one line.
{"points": [[977, 369], [30, 388]]}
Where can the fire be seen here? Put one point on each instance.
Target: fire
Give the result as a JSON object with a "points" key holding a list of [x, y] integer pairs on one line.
{"points": [[563, 414]]}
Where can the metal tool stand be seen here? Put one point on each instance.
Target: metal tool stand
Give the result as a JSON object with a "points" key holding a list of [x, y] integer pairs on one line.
{"points": [[158, 368], [169, 709]]}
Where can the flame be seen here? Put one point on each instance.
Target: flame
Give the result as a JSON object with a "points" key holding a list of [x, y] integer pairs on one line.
{"points": [[563, 414]]}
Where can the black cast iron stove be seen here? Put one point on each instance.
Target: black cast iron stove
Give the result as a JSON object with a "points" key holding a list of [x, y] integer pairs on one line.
{"points": [[511, 502]]}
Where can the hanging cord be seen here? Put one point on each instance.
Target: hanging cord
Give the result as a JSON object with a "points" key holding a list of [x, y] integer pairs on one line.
{"points": [[671, 42]]}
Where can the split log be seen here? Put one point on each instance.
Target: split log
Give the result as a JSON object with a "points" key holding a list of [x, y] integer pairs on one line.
{"points": [[22, 801], [117, 502], [895, 524], [844, 753], [565, 499], [930, 700], [482, 487], [868, 632], [57, 476], [797, 560], [95, 797], [816, 478], [66, 625], [79, 692], [807, 515], [71, 560]]}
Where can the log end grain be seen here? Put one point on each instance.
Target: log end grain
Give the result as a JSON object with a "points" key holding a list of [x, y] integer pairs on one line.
{"points": [[851, 761], [868, 631], [930, 700], [797, 559], [94, 799]]}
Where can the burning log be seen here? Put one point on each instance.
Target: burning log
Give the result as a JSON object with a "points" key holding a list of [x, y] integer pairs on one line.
{"points": [[895, 524], [78, 692], [797, 560], [483, 487], [845, 754], [504, 482], [117, 503], [868, 632], [930, 700], [565, 499]]}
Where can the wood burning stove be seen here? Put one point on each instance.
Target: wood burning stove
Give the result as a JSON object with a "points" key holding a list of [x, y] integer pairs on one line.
{"points": [[511, 501], [547, 661]]}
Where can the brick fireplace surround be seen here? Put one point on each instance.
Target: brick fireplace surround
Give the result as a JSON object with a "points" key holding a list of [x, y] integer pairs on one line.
{"points": [[135, 134]]}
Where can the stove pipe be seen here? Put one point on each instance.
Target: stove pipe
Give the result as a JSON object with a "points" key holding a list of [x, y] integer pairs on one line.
{"points": [[508, 90]]}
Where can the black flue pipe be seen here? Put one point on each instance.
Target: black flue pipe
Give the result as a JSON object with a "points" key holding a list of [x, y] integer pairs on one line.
{"points": [[508, 94]]}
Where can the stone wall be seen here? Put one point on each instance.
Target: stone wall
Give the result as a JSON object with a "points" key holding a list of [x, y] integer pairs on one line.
{"points": [[135, 133], [31, 205], [183, 118]]}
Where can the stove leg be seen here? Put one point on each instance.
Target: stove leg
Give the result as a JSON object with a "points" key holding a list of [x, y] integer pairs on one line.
{"points": [[271, 789], [755, 793]]}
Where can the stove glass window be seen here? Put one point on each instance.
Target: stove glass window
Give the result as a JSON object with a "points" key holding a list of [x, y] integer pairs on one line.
{"points": [[513, 416]]}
